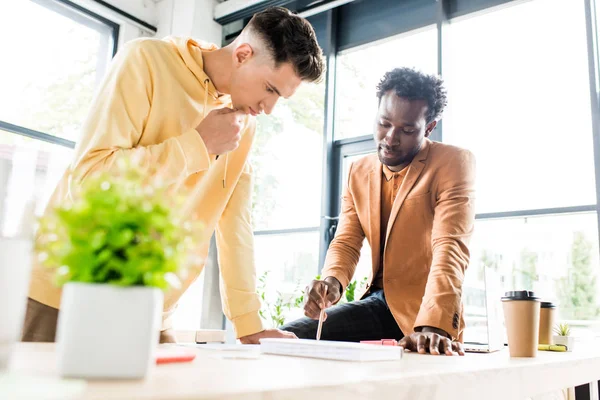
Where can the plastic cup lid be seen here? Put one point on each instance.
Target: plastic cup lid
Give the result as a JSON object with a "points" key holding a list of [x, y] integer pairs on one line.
{"points": [[520, 295]]}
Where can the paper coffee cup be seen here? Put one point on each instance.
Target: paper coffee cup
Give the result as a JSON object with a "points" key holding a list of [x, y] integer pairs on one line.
{"points": [[547, 318], [522, 318]]}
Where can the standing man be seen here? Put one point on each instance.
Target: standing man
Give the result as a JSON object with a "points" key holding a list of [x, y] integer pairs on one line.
{"points": [[414, 202], [188, 107]]}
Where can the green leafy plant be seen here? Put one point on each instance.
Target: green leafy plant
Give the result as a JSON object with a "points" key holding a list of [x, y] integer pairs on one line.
{"points": [[274, 311], [350, 293], [120, 228], [562, 329]]}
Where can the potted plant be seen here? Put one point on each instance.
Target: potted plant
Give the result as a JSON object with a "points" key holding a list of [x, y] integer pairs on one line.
{"points": [[115, 246], [563, 336]]}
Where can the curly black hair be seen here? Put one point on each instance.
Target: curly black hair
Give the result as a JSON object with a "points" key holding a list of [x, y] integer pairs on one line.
{"points": [[415, 85]]}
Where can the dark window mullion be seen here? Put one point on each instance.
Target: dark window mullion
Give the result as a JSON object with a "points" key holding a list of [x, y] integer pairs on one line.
{"points": [[30, 133]]}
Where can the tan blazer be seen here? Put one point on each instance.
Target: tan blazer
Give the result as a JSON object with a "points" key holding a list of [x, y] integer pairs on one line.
{"points": [[426, 249]]}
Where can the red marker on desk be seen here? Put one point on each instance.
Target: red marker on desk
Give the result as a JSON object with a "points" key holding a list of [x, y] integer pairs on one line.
{"points": [[173, 355]]}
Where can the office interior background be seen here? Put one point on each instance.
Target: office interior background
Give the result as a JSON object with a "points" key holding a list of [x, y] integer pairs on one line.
{"points": [[522, 80]]}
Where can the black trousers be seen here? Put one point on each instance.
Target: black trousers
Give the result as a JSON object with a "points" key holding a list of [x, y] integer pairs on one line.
{"points": [[366, 319]]}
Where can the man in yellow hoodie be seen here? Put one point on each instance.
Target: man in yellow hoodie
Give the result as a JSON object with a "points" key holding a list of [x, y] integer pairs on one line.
{"points": [[188, 108]]}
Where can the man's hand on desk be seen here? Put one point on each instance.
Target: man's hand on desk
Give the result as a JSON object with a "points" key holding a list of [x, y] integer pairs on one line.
{"points": [[168, 336], [268, 333], [321, 294], [431, 340]]}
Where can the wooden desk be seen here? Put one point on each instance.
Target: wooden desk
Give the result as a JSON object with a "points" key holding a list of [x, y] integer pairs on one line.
{"points": [[213, 376]]}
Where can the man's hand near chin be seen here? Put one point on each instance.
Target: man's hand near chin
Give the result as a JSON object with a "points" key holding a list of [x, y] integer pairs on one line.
{"points": [[431, 340], [267, 333]]}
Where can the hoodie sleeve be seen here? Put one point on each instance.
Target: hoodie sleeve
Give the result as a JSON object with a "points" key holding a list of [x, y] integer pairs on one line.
{"points": [[117, 119], [235, 247]]}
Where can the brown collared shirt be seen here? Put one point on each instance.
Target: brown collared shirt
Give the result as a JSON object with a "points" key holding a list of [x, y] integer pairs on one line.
{"points": [[390, 185]]}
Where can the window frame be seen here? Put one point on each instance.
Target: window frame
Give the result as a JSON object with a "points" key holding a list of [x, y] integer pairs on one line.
{"points": [[447, 10], [87, 18]]}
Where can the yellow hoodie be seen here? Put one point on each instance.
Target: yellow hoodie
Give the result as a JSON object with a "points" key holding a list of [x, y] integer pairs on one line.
{"points": [[149, 105]]}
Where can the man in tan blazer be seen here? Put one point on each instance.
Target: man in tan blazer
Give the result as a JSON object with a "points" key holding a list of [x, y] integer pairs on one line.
{"points": [[414, 202]]}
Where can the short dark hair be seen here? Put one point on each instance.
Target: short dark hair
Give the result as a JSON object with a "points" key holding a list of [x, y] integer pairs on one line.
{"points": [[290, 38], [415, 85]]}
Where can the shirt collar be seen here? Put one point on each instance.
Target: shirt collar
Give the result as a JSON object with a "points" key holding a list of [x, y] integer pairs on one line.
{"points": [[389, 174]]}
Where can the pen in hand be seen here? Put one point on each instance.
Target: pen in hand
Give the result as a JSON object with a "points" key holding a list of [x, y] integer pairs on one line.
{"points": [[321, 317]]}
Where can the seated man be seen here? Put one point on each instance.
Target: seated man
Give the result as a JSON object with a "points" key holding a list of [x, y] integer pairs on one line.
{"points": [[414, 202]]}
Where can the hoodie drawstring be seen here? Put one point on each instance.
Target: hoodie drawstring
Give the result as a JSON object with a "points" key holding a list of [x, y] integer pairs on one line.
{"points": [[206, 82]]}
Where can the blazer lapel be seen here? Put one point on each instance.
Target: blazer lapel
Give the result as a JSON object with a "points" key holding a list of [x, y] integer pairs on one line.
{"points": [[375, 214], [414, 171]]}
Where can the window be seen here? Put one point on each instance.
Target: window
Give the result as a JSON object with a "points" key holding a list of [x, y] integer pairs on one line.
{"points": [[360, 70], [357, 75], [187, 315], [287, 263], [29, 170], [519, 99], [555, 256], [54, 67], [365, 262], [287, 161], [47, 85]]}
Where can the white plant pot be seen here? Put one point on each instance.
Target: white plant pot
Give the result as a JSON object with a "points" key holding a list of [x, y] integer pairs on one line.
{"points": [[568, 341], [105, 331]]}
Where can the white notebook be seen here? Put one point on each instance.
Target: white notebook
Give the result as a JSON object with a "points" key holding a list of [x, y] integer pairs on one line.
{"points": [[329, 350]]}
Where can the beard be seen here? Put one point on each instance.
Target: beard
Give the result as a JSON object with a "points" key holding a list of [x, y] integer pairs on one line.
{"points": [[398, 157]]}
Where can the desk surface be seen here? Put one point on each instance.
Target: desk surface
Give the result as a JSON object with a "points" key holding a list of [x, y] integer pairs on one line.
{"points": [[218, 374]]}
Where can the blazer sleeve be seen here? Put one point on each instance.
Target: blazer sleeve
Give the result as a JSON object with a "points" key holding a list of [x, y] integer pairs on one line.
{"points": [[454, 217]]}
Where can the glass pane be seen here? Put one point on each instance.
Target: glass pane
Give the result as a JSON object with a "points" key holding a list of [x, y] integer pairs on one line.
{"points": [[189, 307], [286, 263], [29, 170], [287, 160], [49, 87], [360, 70], [365, 263], [521, 103], [555, 256]]}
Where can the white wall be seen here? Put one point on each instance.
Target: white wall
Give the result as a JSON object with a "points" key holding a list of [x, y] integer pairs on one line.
{"points": [[146, 10], [192, 18]]}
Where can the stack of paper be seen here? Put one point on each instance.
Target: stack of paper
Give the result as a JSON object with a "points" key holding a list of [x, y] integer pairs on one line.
{"points": [[344, 351]]}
